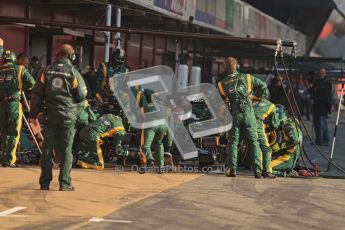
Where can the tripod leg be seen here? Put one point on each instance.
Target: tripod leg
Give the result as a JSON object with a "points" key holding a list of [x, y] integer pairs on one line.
{"points": [[335, 128], [32, 134]]}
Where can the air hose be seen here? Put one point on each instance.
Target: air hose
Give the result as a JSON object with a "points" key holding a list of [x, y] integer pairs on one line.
{"points": [[288, 100]]}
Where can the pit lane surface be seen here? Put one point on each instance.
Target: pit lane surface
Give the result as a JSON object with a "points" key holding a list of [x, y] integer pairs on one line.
{"points": [[98, 193], [127, 200], [171, 201], [216, 202]]}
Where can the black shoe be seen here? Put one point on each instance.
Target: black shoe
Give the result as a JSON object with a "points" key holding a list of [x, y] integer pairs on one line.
{"points": [[67, 188], [121, 160], [258, 175], [268, 175], [9, 165], [229, 173], [161, 170], [150, 163], [44, 188]]}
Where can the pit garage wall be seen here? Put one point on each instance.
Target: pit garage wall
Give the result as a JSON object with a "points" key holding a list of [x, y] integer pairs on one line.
{"points": [[15, 34], [21, 38], [139, 48]]}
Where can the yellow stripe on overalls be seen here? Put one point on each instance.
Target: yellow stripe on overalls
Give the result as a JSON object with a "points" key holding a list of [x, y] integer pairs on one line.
{"points": [[113, 131], [279, 160], [285, 157], [263, 117], [85, 165], [267, 143], [269, 111], [104, 75], [249, 83], [99, 142], [265, 135], [138, 97], [86, 104], [19, 126], [20, 114], [75, 83]]}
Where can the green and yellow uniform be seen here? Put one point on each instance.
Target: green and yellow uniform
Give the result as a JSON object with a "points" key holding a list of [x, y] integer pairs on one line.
{"points": [[85, 114], [154, 135], [238, 89], [13, 79], [92, 137], [60, 88], [264, 110], [106, 71], [286, 154]]}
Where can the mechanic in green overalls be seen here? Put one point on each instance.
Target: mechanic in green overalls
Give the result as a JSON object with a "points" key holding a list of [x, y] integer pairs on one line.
{"points": [[238, 89], [92, 137], [153, 136], [286, 154], [13, 80], [265, 110]]}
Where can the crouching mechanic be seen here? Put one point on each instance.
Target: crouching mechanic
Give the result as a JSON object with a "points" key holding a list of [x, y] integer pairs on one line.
{"points": [[265, 110], [91, 136], [286, 153], [13, 79], [85, 116]]}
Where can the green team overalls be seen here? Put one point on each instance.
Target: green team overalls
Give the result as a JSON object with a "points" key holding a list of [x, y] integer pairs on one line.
{"points": [[154, 135], [106, 126], [105, 73], [13, 79], [85, 114], [238, 89], [263, 110], [60, 88], [141, 101], [286, 154]]}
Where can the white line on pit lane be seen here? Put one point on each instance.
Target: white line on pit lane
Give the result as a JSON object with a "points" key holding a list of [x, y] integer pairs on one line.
{"points": [[10, 211], [95, 219]]}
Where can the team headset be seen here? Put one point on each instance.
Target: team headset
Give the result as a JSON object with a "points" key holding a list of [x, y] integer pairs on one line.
{"points": [[9, 56], [72, 57]]}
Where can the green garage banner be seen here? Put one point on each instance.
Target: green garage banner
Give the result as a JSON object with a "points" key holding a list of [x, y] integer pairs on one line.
{"points": [[230, 15]]}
